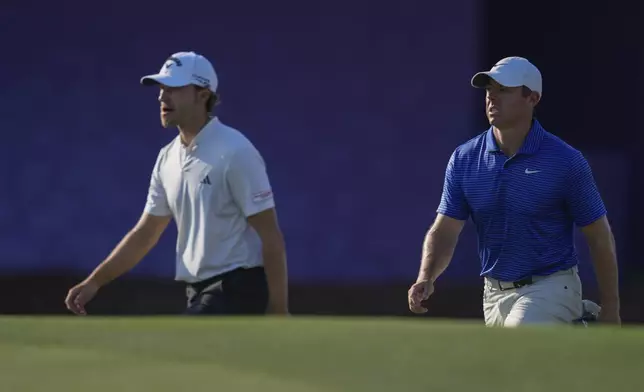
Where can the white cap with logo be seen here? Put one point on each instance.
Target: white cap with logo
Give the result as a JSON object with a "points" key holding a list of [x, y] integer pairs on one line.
{"points": [[511, 72], [182, 69]]}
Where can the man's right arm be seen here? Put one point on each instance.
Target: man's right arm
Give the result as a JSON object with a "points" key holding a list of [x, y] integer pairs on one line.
{"points": [[438, 247], [143, 237], [442, 237], [453, 211], [131, 250]]}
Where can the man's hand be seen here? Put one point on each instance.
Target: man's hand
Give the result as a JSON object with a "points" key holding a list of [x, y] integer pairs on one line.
{"points": [[132, 248], [418, 293], [438, 248], [79, 295], [610, 314]]}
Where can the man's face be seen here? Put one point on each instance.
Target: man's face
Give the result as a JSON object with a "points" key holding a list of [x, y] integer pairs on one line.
{"points": [[505, 106], [178, 104]]}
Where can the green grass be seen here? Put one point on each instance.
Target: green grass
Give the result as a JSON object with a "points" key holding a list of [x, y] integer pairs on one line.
{"points": [[311, 354]]}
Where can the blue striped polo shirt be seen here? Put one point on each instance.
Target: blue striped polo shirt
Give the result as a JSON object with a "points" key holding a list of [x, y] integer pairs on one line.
{"points": [[525, 207]]}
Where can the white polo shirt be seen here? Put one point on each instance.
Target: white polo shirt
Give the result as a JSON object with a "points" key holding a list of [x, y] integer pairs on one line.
{"points": [[210, 187]]}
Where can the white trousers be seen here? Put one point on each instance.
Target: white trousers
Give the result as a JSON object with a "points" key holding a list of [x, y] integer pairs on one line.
{"points": [[555, 299]]}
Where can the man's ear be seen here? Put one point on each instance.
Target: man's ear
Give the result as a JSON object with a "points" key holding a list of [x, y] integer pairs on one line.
{"points": [[205, 94]]}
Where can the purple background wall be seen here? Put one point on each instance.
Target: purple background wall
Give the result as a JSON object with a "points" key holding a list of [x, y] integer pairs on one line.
{"points": [[355, 105]]}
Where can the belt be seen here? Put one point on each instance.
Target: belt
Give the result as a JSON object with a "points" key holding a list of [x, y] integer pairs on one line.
{"points": [[202, 284], [507, 285]]}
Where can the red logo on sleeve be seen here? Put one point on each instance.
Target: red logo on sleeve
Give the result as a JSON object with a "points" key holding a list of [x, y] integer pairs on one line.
{"points": [[261, 196]]}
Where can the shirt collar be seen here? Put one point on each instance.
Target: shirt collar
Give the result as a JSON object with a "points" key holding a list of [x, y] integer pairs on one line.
{"points": [[530, 145], [205, 132]]}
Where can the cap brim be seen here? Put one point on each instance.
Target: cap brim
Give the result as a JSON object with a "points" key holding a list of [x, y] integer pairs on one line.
{"points": [[166, 80], [482, 79]]}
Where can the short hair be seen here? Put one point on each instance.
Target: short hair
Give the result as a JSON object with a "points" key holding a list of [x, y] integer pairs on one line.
{"points": [[213, 99], [525, 91]]}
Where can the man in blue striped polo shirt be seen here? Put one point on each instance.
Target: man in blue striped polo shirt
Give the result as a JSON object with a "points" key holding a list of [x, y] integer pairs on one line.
{"points": [[525, 190]]}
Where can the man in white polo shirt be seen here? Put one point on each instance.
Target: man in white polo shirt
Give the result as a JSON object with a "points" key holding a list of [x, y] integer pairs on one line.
{"points": [[213, 182]]}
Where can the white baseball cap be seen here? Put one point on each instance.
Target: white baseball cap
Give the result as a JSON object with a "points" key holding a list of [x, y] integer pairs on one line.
{"points": [[182, 69], [511, 72]]}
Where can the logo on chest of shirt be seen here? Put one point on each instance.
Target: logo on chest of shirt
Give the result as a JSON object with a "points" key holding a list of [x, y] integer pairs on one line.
{"points": [[528, 171], [206, 180]]}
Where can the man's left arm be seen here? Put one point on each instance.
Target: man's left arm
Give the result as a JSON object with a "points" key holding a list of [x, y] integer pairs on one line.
{"points": [[601, 244], [251, 190], [274, 253], [589, 212]]}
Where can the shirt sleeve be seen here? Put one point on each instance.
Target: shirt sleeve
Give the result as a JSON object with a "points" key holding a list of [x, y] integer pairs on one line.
{"points": [[583, 199], [248, 181], [157, 202], [453, 202]]}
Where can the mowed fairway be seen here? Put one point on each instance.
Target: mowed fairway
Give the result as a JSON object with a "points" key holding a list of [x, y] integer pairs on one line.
{"points": [[311, 354]]}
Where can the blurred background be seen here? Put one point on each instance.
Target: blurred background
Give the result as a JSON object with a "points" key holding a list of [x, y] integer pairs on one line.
{"points": [[356, 107]]}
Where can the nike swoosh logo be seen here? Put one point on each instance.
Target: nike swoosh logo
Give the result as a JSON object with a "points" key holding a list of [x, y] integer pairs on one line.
{"points": [[528, 171]]}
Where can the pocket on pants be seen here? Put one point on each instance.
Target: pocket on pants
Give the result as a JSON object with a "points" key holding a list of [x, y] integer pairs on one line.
{"points": [[556, 299], [573, 286], [492, 307]]}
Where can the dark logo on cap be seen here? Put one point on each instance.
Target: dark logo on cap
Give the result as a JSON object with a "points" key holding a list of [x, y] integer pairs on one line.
{"points": [[172, 61]]}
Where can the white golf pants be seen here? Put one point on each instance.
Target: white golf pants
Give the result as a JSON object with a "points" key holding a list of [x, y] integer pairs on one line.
{"points": [[554, 299]]}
